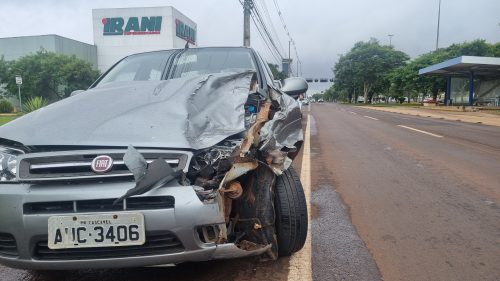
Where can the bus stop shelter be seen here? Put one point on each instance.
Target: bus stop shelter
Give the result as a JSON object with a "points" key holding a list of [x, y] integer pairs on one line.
{"points": [[470, 80]]}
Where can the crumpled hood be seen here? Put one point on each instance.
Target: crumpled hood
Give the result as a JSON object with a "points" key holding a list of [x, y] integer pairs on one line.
{"points": [[189, 113]]}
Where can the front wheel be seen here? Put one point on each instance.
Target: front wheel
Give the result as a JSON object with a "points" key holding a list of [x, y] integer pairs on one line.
{"points": [[291, 213]]}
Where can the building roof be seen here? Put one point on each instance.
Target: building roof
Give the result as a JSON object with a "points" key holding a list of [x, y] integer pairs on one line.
{"points": [[28, 37], [462, 66], [12, 48]]}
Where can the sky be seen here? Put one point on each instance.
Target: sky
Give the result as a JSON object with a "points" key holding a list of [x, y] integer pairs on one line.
{"points": [[321, 29]]}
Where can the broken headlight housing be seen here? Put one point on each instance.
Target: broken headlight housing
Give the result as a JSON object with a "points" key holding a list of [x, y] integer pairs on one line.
{"points": [[209, 166], [8, 164]]}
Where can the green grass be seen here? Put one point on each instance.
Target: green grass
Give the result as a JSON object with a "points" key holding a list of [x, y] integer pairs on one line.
{"points": [[6, 119]]}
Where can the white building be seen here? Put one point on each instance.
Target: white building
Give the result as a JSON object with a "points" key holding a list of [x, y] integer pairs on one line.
{"points": [[119, 32]]}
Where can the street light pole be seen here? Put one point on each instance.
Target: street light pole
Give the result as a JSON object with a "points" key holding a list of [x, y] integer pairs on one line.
{"points": [[439, 19], [390, 39]]}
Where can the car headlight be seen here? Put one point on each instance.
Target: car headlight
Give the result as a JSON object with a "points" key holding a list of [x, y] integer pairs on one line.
{"points": [[8, 164]]}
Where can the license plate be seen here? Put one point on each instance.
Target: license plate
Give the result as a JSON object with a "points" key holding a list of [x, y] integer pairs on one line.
{"points": [[99, 230]]}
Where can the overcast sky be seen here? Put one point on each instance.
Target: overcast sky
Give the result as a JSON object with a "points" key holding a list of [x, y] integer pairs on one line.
{"points": [[322, 29]]}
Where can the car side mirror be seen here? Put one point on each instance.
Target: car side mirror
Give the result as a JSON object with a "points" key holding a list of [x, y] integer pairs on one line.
{"points": [[295, 86], [76, 92]]}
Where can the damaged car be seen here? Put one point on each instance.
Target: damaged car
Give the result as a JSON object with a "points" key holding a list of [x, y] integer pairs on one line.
{"points": [[170, 156]]}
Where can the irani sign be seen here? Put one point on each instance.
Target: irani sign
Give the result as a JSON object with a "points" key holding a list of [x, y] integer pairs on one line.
{"points": [[134, 26], [185, 32]]}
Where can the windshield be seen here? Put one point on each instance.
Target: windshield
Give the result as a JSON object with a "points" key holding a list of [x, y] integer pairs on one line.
{"points": [[140, 67], [195, 62]]}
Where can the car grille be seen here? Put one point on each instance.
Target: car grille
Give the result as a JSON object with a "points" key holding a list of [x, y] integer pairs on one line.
{"points": [[75, 165], [8, 246], [100, 205], [156, 244]]}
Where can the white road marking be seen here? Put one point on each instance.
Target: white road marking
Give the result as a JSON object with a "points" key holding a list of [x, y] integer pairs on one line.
{"points": [[300, 267], [352, 112], [371, 117], [420, 131]]}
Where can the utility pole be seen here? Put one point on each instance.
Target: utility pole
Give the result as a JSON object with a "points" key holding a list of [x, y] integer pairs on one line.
{"points": [[390, 39], [439, 19], [247, 10], [287, 62], [289, 58], [289, 48]]}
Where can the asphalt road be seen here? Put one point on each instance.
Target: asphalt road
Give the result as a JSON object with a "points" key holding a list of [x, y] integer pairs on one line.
{"points": [[422, 193], [394, 197]]}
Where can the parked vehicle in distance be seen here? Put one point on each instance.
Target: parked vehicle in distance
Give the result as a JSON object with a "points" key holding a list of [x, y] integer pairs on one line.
{"points": [[321, 100], [149, 166]]}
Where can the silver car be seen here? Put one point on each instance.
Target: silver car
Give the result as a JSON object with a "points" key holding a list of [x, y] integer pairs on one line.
{"points": [[170, 156]]}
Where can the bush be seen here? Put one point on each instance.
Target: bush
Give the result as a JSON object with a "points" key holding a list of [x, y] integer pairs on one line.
{"points": [[33, 104], [6, 107]]}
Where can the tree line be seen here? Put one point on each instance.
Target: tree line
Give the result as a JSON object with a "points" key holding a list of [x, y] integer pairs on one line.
{"points": [[45, 74], [370, 69]]}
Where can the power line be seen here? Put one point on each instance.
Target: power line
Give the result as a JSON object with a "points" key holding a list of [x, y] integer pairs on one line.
{"points": [[263, 31], [270, 38], [280, 14], [270, 21], [264, 25], [273, 51]]}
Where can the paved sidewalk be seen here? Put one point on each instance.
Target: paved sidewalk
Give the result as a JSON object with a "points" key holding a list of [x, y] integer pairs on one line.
{"points": [[469, 117]]}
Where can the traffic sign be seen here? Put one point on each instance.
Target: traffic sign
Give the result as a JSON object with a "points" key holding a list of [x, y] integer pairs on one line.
{"points": [[19, 80]]}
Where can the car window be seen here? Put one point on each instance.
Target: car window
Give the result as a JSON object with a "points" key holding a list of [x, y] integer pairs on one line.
{"points": [[195, 62], [140, 67]]}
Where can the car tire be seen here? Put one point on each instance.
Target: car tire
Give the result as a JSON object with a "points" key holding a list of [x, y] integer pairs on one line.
{"points": [[291, 213]]}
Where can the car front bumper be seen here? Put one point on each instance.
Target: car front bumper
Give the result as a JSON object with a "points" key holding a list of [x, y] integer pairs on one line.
{"points": [[181, 220]]}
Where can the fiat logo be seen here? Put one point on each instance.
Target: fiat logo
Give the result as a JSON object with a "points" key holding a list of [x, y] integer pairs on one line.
{"points": [[102, 164]]}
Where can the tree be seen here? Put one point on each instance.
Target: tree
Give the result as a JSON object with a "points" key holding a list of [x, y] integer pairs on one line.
{"points": [[50, 75], [318, 96], [345, 79], [278, 75], [4, 70], [335, 94], [366, 67], [4, 67]]}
